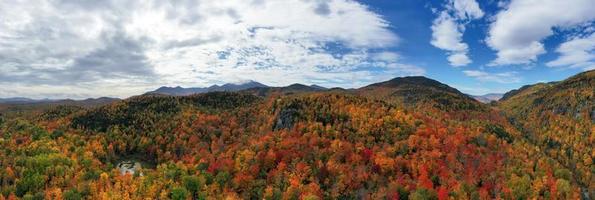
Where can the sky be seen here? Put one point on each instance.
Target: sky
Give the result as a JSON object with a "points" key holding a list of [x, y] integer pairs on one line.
{"points": [[120, 48]]}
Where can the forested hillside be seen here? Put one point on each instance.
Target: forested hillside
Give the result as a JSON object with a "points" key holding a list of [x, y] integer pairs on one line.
{"points": [[421, 92], [559, 119], [407, 138]]}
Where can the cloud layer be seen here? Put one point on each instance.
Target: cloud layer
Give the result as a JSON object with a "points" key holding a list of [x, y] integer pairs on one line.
{"points": [[518, 31], [82, 45], [71, 48]]}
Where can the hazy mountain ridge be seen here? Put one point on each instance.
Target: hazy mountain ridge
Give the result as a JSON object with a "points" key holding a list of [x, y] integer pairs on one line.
{"points": [[251, 87], [23, 100], [487, 98], [230, 87], [83, 102]]}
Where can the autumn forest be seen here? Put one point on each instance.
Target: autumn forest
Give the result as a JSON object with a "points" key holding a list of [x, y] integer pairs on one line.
{"points": [[406, 138]]}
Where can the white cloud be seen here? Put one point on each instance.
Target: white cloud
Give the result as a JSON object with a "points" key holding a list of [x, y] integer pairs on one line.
{"points": [[386, 56], [191, 43], [504, 77], [447, 34], [518, 30], [577, 52], [448, 29], [467, 9], [459, 59]]}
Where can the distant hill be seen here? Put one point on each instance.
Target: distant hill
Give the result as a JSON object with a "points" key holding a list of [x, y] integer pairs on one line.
{"points": [[84, 102], [90, 102], [487, 98], [287, 90], [229, 87], [22, 100], [419, 91], [401, 82], [142, 112]]}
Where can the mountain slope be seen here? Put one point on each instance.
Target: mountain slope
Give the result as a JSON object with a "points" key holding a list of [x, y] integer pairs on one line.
{"points": [[559, 118], [147, 112], [418, 91], [571, 98]]}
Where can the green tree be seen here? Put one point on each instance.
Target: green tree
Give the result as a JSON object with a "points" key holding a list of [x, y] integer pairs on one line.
{"points": [[57, 134], [564, 188], [423, 194], [179, 193], [72, 194], [29, 184], [521, 187], [222, 178], [192, 184], [563, 174]]}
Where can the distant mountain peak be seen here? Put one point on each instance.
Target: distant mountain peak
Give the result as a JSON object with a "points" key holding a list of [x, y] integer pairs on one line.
{"points": [[419, 90], [409, 79], [297, 85], [414, 80], [181, 91]]}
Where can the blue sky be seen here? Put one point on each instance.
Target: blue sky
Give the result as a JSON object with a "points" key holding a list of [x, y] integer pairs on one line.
{"points": [[121, 48], [412, 20]]}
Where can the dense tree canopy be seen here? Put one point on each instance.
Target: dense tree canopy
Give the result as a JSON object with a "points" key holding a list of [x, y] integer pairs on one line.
{"points": [[318, 145]]}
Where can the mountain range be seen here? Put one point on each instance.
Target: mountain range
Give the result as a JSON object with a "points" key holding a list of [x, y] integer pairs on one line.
{"points": [[404, 138], [230, 87], [260, 89]]}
